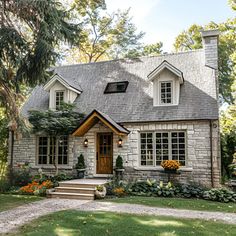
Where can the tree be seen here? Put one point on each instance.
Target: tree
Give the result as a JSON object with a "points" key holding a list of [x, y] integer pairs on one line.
{"points": [[228, 138], [191, 39], [146, 50], [29, 32], [103, 36], [55, 123]]}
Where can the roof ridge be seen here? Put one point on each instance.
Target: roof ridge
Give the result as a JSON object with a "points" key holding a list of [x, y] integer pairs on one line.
{"points": [[134, 58]]}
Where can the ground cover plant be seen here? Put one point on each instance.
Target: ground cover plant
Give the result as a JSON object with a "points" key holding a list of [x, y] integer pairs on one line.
{"points": [[159, 189]]}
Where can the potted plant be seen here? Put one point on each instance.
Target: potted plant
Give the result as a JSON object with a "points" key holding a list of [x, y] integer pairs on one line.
{"points": [[170, 166], [80, 166], [100, 192], [119, 168]]}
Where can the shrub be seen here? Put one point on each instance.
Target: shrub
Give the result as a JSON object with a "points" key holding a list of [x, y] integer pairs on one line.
{"points": [[220, 195], [80, 164], [144, 188], [189, 191], [165, 191], [119, 191], [119, 163], [21, 176], [4, 185]]}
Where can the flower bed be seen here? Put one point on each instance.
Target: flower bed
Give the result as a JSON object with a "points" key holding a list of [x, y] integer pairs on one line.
{"points": [[36, 188], [155, 189]]}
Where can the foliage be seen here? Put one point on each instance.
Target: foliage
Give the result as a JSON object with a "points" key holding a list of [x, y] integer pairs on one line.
{"points": [[165, 190], [29, 33], [21, 176], [55, 123], [103, 35], [189, 191], [191, 39], [4, 185], [170, 164], [119, 191], [3, 137], [36, 188], [228, 139], [220, 195], [119, 162], [150, 188], [99, 188], [54, 179], [80, 164]]}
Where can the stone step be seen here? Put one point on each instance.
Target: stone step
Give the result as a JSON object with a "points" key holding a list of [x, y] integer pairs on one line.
{"points": [[75, 190], [79, 196], [77, 185]]}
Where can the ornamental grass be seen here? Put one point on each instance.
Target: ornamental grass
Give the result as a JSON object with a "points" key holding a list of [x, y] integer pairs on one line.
{"points": [[170, 165]]}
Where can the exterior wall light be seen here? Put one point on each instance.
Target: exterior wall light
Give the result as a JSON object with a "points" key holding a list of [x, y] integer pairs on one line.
{"points": [[86, 143], [120, 142]]}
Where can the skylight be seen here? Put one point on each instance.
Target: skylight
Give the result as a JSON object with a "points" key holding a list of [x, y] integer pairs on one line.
{"points": [[116, 87]]}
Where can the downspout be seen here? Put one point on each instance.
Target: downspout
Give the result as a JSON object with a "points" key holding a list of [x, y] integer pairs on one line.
{"points": [[211, 150]]}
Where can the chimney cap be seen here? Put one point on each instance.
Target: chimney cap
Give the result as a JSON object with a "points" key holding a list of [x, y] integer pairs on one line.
{"points": [[210, 33]]}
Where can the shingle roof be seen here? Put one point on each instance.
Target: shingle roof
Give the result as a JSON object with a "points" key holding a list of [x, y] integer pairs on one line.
{"points": [[197, 94]]}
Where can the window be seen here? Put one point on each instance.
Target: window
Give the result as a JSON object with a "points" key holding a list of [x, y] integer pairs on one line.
{"points": [[156, 147], [116, 87], [52, 148], [166, 92], [59, 99]]}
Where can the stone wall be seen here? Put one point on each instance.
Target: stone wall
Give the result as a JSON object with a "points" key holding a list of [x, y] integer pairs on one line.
{"points": [[198, 158]]}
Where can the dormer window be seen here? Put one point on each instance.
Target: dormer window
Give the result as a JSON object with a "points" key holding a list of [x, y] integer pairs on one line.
{"points": [[166, 80], [59, 99], [166, 92]]}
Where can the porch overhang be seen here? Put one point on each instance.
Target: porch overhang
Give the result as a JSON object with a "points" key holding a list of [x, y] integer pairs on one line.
{"points": [[93, 118]]}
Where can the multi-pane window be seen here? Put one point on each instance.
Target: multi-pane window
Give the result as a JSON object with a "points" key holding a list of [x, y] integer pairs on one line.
{"points": [[166, 92], [147, 149], [52, 149], [59, 99], [156, 147]]}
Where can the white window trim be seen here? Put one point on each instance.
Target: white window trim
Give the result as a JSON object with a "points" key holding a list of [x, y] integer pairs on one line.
{"points": [[59, 91], [172, 93], [154, 166]]}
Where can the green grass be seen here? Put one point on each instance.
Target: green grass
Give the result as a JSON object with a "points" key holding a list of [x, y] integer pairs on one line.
{"points": [[74, 223], [178, 203], [8, 201]]}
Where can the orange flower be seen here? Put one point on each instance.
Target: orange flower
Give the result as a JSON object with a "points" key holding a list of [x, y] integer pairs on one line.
{"points": [[170, 164]]}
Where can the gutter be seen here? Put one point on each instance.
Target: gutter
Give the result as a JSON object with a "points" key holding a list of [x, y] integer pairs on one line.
{"points": [[212, 177]]}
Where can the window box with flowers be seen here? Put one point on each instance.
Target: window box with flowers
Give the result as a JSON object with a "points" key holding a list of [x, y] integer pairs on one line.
{"points": [[170, 166]]}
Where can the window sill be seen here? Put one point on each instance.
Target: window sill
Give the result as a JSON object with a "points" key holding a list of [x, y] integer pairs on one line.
{"points": [[49, 167], [157, 168]]}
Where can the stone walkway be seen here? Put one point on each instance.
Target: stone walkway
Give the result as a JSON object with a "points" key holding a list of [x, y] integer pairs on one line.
{"points": [[12, 219]]}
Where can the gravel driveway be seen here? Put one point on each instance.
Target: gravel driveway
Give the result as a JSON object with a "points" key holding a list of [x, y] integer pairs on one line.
{"points": [[12, 219]]}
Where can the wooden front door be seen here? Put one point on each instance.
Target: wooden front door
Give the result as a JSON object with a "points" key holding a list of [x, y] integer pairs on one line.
{"points": [[104, 153]]}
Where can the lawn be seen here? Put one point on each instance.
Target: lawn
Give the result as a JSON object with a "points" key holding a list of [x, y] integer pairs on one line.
{"points": [[178, 203], [74, 223], [8, 201]]}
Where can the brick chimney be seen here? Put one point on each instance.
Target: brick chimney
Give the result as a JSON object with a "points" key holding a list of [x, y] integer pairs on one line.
{"points": [[210, 45]]}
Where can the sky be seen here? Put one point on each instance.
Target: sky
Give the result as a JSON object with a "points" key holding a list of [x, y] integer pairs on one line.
{"points": [[163, 20]]}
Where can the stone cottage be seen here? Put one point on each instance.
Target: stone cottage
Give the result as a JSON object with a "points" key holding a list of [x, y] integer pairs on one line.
{"points": [[146, 110]]}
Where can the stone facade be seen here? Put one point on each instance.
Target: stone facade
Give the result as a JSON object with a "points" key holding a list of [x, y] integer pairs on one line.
{"points": [[202, 142]]}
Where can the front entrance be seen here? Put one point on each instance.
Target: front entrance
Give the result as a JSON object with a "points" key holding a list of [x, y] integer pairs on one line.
{"points": [[104, 153]]}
